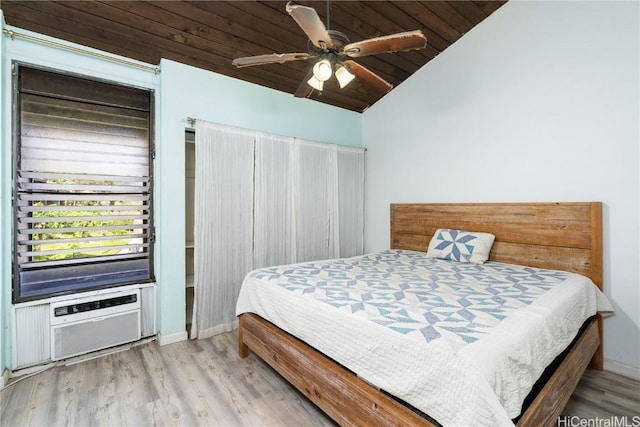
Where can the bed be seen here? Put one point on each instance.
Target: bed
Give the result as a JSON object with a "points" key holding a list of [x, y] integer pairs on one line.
{"points": [[548, 236]]}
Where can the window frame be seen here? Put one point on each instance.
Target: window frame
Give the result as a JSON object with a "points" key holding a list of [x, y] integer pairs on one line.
{"points": [[16, 146]]}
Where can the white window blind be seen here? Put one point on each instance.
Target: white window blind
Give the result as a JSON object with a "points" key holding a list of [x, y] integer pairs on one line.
{"points": [[83, 185]]}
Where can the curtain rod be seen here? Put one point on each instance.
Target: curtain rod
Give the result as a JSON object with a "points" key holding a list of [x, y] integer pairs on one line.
{"points": [[192, 123], [12, 34]]}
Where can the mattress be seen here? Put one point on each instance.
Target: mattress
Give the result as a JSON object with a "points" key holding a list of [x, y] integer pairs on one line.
{"points": [[463, 343]]}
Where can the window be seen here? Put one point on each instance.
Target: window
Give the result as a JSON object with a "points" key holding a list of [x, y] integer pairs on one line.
{"points": [[82, 184]]}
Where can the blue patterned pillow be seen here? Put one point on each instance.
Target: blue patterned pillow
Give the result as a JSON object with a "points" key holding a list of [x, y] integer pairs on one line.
{"points": [[462, 246]]}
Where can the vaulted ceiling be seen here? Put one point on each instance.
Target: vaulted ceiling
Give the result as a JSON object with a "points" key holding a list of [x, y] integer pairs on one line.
{"points": [[210, 34]]}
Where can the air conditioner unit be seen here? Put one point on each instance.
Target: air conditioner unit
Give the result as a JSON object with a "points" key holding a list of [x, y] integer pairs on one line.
{"points": [[95, 322]]}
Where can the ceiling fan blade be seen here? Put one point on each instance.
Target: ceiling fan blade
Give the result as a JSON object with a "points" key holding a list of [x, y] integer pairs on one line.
{"points": [[369, 78], [308, 19], [409, 40], [272, 58], [304, 90]]}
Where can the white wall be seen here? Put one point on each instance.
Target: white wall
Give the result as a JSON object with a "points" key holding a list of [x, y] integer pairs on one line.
{"points": [[540, 102]]}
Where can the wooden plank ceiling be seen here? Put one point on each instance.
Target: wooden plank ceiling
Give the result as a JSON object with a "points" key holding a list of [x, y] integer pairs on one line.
{"points": [[210, 34]]}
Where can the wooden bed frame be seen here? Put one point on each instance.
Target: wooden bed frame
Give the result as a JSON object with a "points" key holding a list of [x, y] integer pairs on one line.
{"points": [[565, 236]]}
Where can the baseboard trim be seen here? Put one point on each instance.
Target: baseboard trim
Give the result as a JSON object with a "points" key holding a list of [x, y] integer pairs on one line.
{"points": [[4, 378], [622, 369], [172, 338]]}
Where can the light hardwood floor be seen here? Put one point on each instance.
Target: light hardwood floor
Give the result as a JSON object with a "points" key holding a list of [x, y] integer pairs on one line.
{"points": [[203, 382]]}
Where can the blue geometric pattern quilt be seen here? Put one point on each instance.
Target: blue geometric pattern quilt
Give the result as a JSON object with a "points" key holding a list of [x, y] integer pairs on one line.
{"points": [[417, 296]]}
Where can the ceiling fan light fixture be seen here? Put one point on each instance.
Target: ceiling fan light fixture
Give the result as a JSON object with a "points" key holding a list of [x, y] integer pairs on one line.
{"points": [[331, 49], [323, 70], [315, 83], [344, 76]]}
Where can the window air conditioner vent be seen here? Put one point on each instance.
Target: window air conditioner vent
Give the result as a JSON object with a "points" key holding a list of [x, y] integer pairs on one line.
{"points": [[92, 323]]}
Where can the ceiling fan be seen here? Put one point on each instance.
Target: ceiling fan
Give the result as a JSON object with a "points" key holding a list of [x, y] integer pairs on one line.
{"points": [[333, 48]]}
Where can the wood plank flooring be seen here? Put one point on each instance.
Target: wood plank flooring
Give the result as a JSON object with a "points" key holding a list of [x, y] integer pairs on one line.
{"points": [[204, 383]]}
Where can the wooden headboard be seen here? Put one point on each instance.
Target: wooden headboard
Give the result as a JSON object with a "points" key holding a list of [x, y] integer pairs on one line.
{"points": [[559, 236]]}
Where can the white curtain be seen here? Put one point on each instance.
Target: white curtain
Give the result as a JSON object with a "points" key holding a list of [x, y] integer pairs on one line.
{"points": [[351, 201], [264, 200], [274, 230], [315, 201], [223, 227]]}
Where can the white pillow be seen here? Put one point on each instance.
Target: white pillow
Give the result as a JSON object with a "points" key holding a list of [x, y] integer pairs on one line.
{"points": [[459, 245]]}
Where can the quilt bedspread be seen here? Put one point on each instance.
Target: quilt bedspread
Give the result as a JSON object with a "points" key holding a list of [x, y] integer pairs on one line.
{"points": [[464, 343]]}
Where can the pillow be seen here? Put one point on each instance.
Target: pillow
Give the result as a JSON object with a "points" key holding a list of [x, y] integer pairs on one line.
{"points": [[458, 245]]}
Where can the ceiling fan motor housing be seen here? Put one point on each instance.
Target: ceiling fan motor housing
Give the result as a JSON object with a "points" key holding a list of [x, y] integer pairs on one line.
{"points": [[338, 39]]}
